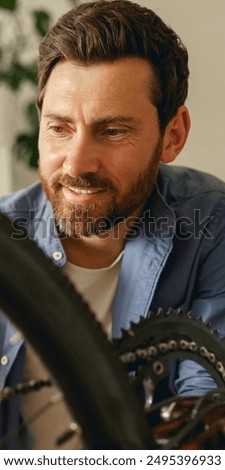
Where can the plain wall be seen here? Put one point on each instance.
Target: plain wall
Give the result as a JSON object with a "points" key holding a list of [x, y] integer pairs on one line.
{"points": [[200, 25]]}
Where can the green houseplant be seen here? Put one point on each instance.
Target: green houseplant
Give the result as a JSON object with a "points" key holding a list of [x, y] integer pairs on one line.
{"points": [[18, 67]]}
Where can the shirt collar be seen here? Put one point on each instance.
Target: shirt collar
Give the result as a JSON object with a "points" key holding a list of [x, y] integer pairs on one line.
{"points": [[158, 219]]}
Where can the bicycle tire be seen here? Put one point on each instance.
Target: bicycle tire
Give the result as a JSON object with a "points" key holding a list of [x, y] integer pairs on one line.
{"points": [[73, 346]]}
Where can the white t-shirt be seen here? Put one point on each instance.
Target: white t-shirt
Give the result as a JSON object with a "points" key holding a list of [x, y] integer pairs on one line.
{"points": [[97, 287]]}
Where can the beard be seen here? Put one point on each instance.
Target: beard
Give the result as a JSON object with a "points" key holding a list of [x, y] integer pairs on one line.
{"points": [[113, 206]]}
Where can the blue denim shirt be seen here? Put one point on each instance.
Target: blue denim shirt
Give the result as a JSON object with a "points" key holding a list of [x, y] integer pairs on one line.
{"points": [[174, 258]]}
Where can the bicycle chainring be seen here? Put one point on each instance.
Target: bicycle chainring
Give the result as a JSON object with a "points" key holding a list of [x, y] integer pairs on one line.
{"points": [[149, 346]]}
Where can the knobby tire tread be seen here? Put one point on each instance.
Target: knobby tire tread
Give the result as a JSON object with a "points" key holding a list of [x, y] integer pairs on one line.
{"points": [[41, 302]]}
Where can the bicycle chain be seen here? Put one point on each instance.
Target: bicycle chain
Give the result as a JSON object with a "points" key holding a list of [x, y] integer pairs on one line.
{"points": [[148, 346]]}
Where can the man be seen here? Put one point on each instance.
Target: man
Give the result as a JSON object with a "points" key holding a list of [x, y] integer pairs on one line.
{"points": [[132, 233]]}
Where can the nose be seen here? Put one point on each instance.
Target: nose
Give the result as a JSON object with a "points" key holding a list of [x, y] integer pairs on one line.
{"points": [[82, 155]]}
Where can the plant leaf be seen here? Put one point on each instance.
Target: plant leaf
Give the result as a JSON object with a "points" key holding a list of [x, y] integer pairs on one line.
{"points": [[41, 21], [26, 148], [16, 75], [8, 4], [32, 115], [32, 73]]}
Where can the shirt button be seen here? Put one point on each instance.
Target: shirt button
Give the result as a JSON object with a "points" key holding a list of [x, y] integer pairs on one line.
{"points": [[4, 360], [57, 255], [15, 338]]}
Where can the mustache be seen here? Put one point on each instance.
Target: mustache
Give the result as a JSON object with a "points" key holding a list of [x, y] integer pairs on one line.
{"points": [[88, 180]]}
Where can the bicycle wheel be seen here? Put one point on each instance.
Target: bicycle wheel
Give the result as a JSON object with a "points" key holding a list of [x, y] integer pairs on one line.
{"points": [[45, 307]]}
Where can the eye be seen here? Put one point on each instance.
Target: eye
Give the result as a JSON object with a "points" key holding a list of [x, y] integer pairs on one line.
{"points": [[113, 132], [56, 129]]}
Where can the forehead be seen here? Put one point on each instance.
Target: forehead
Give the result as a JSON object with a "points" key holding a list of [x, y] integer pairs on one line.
{"points": [[121, 80]]}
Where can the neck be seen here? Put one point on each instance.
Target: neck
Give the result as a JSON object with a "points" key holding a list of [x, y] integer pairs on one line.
{"points": [[91, 252], [97, 251]]}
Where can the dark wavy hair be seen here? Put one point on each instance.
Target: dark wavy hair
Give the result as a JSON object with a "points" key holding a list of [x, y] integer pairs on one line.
{"points": [[103, 31]]}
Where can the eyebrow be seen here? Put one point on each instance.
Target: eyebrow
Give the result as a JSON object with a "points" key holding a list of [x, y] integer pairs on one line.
{"points": [[58, 117], [98, 122], [113, 118]]}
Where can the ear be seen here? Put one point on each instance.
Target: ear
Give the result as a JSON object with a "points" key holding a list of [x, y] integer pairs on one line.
{"points": [[175, 135]]}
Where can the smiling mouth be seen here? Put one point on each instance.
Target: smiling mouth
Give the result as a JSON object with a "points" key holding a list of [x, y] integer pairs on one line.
{"points": [[85, 191]]}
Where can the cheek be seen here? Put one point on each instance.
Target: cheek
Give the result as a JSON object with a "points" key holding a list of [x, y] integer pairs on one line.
{"points": [[123, 175], [128, 164], [50, 157]]}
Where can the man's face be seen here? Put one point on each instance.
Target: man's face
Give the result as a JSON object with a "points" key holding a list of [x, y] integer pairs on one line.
{"points": [[99, 143]]}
